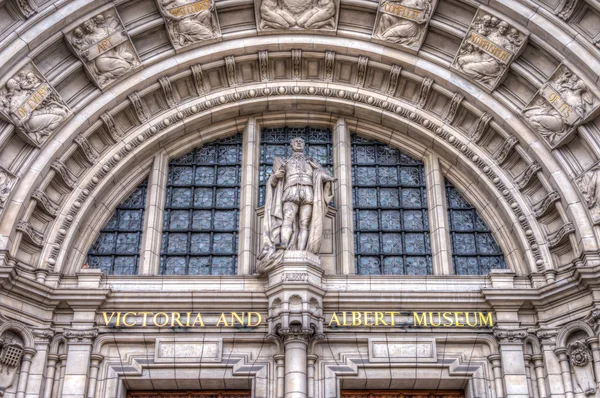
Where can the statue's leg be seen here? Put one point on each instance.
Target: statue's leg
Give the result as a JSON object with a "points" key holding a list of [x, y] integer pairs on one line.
{"points": [[305, 216], [289, 213]]}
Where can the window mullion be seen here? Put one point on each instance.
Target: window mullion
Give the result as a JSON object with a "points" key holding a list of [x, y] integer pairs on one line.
{"points": [[153, 220]]}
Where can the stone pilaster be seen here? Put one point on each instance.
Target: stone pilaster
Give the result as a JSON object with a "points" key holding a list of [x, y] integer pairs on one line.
{"points": [[565, 371], [51, 366], [28, 354], [79, 349], [95, 361], [513, 362], [538, 364], [37, 372]]}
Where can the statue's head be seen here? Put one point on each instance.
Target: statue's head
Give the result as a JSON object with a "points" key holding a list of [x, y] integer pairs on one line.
{"points": [[297, 144]]}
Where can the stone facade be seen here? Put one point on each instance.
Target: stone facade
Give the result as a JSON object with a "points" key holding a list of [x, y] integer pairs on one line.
{"points": [[500, 98]]}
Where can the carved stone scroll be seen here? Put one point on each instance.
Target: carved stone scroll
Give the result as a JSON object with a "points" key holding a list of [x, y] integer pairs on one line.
{"points": [[91, 154], [424, 92], [138, 107], [294, 15], [329, 65], [45, 203], [104, 47], [190, 22], [297, 64], [111, 126], [29, 102], [452, 109], [506, 149], [230, 68], [487, 50], [198, 78], [562, 104], [403, 22], [65, 174], [481, 127], [33, 235], [263, 65], [171, 95], [361, 74], [7, 183]]}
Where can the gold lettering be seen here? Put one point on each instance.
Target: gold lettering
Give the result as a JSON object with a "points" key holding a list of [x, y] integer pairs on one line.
{"points": [[447, 318], [236, 316], [198, 319], [456, 319], [356, 318], [431, 319], [158, 314], [393, 321], [118, 323], [187, 320], [222, 320], [367, 315], [258, 319], [486, 319], [125, 319], [107, 320], [145, 317], [419, 322], [344, 318], [175, 318], [379, 318], [467, 319], [334, 318]]}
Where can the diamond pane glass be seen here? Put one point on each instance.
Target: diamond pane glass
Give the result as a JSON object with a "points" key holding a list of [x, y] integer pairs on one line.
{"points": [[390, 211], [276, 142], [202, 211], [474, 249], [117, 249]]}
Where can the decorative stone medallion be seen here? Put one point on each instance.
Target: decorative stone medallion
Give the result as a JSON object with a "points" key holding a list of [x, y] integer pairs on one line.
{"points": [[190, 21], [296, 15], [28, 101], [562, 104], [487, 50], [403, 22], [104, 47]]}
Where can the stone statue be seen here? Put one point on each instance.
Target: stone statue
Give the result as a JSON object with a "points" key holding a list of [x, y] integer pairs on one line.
{"points": [[590, 188], [190, 22], [403, 21], [7, 181], [581, 363], [32, 105], [296, 199], [104, 47], [488, 48], [560, 106], [297, 14]]}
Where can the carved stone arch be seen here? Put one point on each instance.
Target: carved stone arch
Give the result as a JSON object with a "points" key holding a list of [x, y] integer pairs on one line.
{"points": [[55, 344], [568, 330], [535, 344], [20, 329]]}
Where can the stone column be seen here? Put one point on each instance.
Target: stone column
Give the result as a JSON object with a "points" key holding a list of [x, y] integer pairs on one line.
{"points": [[551, 366], [153, 220], [344, 224], [249, 198], [538, 363], [280, 369], [594, 344], [513, 362], [295, 345], [36, 380], [565, 370], [61, 376], [79, 349], [497, 370], [95, 360], [28, 354], [312, 358], [50, 375], [530, 376], [438, 218]]}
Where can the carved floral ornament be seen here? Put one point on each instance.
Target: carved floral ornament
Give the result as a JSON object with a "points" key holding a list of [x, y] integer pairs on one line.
{"points": [[296, 15], [104, 167], [104, 47]]}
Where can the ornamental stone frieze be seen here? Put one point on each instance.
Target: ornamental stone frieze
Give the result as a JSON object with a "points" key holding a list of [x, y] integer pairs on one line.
{"points": [[296, 15], [488, 49], [32, 105], [561, 105], [510, 335], [403, 22], [190, 22], [104, 47], [80, 336]]}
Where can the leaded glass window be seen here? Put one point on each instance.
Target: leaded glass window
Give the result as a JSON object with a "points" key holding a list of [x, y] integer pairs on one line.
{"points": [[474, 249], [276, 142], [390, 211], [117, 249], [200, 229]]}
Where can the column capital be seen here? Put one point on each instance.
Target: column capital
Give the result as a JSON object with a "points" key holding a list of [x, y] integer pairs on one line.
{"points": [[547, 336], [297, 333], [28, 353], [495, 360], [510, 336], [96, 359], [43, 335], [80, 336]]}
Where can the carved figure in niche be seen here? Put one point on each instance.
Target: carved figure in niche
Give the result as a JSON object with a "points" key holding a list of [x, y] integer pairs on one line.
{"points": [[7, 182], [559, 106], [189, 22], [580, 357], [590, 188], [32, 105], [101, 44], [296, 199], [404, 21], [484, 62], [297, 14], [11, 352]]}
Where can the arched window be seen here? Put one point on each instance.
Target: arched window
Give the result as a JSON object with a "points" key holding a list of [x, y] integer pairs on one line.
{"points": [[117, 249], [276, 142], [200, 230], [474, 249], [390, 211]]}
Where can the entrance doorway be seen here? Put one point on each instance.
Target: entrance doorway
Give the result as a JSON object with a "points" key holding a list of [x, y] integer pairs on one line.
{"points": [[190, 394], [401, 394]]}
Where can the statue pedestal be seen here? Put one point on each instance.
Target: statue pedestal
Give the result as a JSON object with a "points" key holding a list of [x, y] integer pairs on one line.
{"points": [[297, 267]]}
